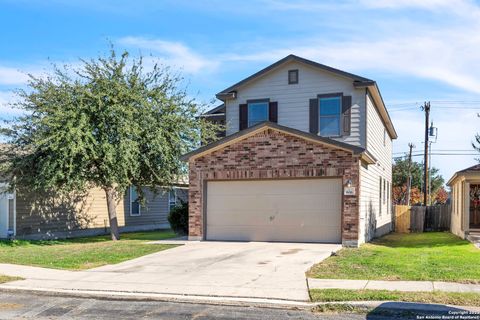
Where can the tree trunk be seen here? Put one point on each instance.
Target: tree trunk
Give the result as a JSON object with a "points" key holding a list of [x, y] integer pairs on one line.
{"points": [[112, 213]]}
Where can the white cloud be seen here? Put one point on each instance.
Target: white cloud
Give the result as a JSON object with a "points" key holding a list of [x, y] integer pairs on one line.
{"points": [[12, 76], [425, 4], [173, 54], [445, 52]]}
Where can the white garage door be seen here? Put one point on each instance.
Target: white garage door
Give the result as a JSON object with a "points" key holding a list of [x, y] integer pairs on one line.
{"points": [[300, 210]]}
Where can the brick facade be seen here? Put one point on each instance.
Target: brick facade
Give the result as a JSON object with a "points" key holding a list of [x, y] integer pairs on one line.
{"points": [[272, 154]]}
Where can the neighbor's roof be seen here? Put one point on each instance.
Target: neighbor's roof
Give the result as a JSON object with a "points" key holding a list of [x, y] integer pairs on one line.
{"points": [[240, 135], [472, 169], [358, 82], [216, 110]]}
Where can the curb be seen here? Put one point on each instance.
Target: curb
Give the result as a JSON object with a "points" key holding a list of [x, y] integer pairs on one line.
{"points": [[394, 306], [146, 296], [403, 306]]}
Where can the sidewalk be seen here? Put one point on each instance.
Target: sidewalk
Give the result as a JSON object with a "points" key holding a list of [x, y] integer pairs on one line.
{"points": [[392, 285]]}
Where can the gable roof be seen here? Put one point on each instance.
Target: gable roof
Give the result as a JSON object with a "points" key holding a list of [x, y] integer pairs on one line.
{"points": [[472, 169], [358, 82], [289, 58], [243, 134]]}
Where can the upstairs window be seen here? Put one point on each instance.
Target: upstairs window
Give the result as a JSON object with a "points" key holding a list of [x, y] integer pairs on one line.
{"points": [[257, 112], [134, 202], [292, 76], [329, 112]]}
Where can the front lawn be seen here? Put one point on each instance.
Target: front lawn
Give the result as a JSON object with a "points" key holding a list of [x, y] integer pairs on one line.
{"points": [[438, 256], [453, 298], [82, 253]]}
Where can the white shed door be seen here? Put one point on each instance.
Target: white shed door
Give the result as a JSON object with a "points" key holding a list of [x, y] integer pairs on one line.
{"points": [[299, 210]]}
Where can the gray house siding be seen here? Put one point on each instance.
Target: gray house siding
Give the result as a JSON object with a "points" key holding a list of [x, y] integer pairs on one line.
{"points": [[293, 99], [155, 210]]}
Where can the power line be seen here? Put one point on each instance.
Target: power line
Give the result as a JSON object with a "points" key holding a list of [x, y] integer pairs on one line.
{"points": [[406, 103], [441, 154], [441, 150]]}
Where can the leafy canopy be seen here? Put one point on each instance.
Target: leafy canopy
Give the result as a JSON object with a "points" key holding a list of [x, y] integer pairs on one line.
{"points": [[109, 124], [400, 175]]}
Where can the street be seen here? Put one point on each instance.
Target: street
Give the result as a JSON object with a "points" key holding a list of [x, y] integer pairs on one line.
{"points": [[33, 306]]}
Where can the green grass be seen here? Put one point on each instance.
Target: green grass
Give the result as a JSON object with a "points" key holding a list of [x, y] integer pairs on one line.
{"points": [[82, 253], [438, 256], [453, 298], [4, 279]]}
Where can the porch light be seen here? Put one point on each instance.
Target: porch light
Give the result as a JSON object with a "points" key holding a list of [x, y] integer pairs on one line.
{"points": [[349, 183]]}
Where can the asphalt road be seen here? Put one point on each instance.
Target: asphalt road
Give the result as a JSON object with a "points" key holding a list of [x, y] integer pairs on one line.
{"points": [[34, 306]]}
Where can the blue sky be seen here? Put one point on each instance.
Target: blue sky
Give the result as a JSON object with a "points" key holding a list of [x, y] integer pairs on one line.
{"points": [[415, 50]]}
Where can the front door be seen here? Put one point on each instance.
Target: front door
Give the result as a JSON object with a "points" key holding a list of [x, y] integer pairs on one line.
{"points": [[474, 206]]}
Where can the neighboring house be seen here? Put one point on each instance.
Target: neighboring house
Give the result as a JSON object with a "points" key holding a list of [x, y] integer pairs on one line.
{"points": [[465, 201], [307, 157], [39, 216], [217, 116]]}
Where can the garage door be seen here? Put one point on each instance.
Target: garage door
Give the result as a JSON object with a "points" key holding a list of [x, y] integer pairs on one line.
{"points": [[300, 210]]}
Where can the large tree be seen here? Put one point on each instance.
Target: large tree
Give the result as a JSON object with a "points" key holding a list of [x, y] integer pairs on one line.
{"points": [[109, 123], [400, 176]]}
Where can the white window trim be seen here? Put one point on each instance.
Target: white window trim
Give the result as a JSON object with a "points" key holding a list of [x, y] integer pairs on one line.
{"points": [[170, 207], [130, 205]]}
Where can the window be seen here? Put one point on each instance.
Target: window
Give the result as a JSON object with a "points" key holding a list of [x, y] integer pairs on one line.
{"points": [[172, 198], [384, 137], [134, 202], [384, 190], [292, 76], [380, 198], [257, 112], [329, 115]]}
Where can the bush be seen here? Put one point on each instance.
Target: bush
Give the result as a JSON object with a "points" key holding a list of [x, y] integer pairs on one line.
{"points": [[178, 218]]}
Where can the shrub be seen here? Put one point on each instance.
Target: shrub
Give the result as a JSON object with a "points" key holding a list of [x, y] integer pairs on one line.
{"points": [[178, 218]]}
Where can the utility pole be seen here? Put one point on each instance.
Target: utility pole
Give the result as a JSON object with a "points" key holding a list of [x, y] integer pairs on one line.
{"points": [[409, 177], [426, 108]]}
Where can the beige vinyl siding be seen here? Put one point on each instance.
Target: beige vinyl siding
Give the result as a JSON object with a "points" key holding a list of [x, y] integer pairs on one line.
{"points": [[372, 223], [49, 215], [293, 100]]}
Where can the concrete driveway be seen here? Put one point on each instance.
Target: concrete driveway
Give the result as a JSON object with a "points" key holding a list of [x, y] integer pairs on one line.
{"points": [[227, 269]]}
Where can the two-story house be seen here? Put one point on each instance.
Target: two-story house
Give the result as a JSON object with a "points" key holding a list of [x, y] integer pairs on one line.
{"points": [[307, 157]]}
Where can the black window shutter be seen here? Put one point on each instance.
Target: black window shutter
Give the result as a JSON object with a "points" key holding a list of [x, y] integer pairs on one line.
{"points": [[313, 115], [346, 119], [273, 112], [243, 117]]}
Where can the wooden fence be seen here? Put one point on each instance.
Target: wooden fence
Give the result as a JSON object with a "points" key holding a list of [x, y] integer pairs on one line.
{"points": [[421, 218]]}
